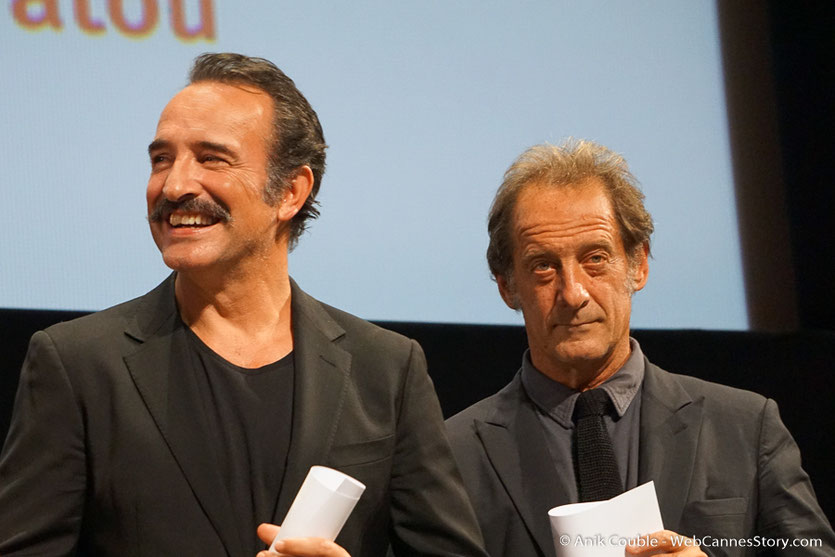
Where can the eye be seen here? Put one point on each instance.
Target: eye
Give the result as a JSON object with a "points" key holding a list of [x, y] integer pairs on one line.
{"points": [[596, 262], [212, 159], [542, 266], [158, 160]]}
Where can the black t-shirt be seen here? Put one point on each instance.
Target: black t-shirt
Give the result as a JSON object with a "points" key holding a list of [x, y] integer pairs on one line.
{"points": [[249, 412]]}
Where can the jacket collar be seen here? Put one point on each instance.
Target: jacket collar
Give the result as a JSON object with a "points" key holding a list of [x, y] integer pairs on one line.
{"points": [[515, 444], [322, 374], [669, 434]]}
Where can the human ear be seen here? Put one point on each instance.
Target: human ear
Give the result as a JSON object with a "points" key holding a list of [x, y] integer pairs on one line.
{"points": [[507, 291], [640, 267], [295, 193]]}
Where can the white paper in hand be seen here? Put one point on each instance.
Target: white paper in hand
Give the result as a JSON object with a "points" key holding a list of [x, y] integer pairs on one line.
{"points": [[602, 528], [322, 505]]}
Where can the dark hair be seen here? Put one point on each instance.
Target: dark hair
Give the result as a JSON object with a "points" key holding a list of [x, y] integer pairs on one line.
{"points": [[297, 138], [568, 164]]}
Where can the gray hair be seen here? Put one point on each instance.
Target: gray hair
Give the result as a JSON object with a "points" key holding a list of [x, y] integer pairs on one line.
{"points": [[570, 163]]}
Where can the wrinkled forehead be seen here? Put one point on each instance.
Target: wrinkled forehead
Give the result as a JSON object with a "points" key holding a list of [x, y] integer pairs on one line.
{"points": [[563, 218], [214, 105], [562, 202]]}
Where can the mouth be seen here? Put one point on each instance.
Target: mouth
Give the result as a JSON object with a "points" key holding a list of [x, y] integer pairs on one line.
{"points": [[194, 213], [191, 220], [575, 325]]}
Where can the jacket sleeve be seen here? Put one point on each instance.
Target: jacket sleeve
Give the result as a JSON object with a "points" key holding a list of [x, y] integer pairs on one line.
{"points": [[42, 466], [788, 509], [431, 512]]}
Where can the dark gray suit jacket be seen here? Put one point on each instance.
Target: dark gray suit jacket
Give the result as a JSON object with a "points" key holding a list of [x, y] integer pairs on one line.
{"points": [[723, 463], [108, 454]]}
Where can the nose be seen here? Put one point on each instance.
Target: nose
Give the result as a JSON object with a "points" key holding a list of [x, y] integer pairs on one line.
{"points": [[572, 292], [181, 181]]}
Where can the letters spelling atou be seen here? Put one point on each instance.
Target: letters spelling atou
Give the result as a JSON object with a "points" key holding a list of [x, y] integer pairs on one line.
{"points": [[36, 15]]}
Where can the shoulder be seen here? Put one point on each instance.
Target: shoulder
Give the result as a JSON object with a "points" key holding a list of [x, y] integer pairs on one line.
{"points": [[108, 332], [363, 339], [721, 403], [497, 407], [480, 411], [699, 387], [358, 330], [94, 325]]}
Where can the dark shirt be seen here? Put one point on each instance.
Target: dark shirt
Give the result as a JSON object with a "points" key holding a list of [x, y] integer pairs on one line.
{"points": [[555, 406], [249, 412]]}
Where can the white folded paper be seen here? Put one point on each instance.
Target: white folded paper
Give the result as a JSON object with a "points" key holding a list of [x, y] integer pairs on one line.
{"points": [[604, 528], [322, 505]]}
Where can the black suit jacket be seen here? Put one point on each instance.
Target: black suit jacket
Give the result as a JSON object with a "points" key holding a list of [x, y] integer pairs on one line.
{"points": [[723, 463], [109, 454]]}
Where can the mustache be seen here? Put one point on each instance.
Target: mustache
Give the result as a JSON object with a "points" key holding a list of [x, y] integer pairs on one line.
{"points": [[164, 207]]}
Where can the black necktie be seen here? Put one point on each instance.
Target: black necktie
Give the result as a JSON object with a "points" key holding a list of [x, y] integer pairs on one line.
{"points": [[594, 456]]}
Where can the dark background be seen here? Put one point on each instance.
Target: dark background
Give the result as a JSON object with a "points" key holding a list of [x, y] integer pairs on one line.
{"points": [[779, 60]]}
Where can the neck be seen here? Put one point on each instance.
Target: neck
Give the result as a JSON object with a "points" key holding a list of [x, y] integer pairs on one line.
{"points": [[243, 316], [587, 374]]}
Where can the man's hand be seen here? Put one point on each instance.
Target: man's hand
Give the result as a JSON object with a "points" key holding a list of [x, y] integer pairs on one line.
{"points": [[666, 543], [298, 547]]}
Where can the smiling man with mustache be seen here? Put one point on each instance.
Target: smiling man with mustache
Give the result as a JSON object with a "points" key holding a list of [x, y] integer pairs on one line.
{"points": [[588, 416], [184, 422]]}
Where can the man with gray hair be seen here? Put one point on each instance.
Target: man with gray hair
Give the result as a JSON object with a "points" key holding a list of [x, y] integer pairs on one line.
{"points": [[588, 416], [185, 421]]}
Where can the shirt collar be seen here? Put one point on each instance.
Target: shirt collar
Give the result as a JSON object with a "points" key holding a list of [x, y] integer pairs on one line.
{"points": [[557, 400]]}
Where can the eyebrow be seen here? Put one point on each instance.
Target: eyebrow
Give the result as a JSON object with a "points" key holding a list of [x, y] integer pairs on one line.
{"points": [[535, 252], [159, 144], [216, 147], [599, 244]]}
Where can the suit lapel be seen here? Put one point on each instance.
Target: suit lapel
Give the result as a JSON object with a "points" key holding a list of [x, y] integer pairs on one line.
{"points": [[172, 400], [322, 370], [669, 435], [515, 444]]}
